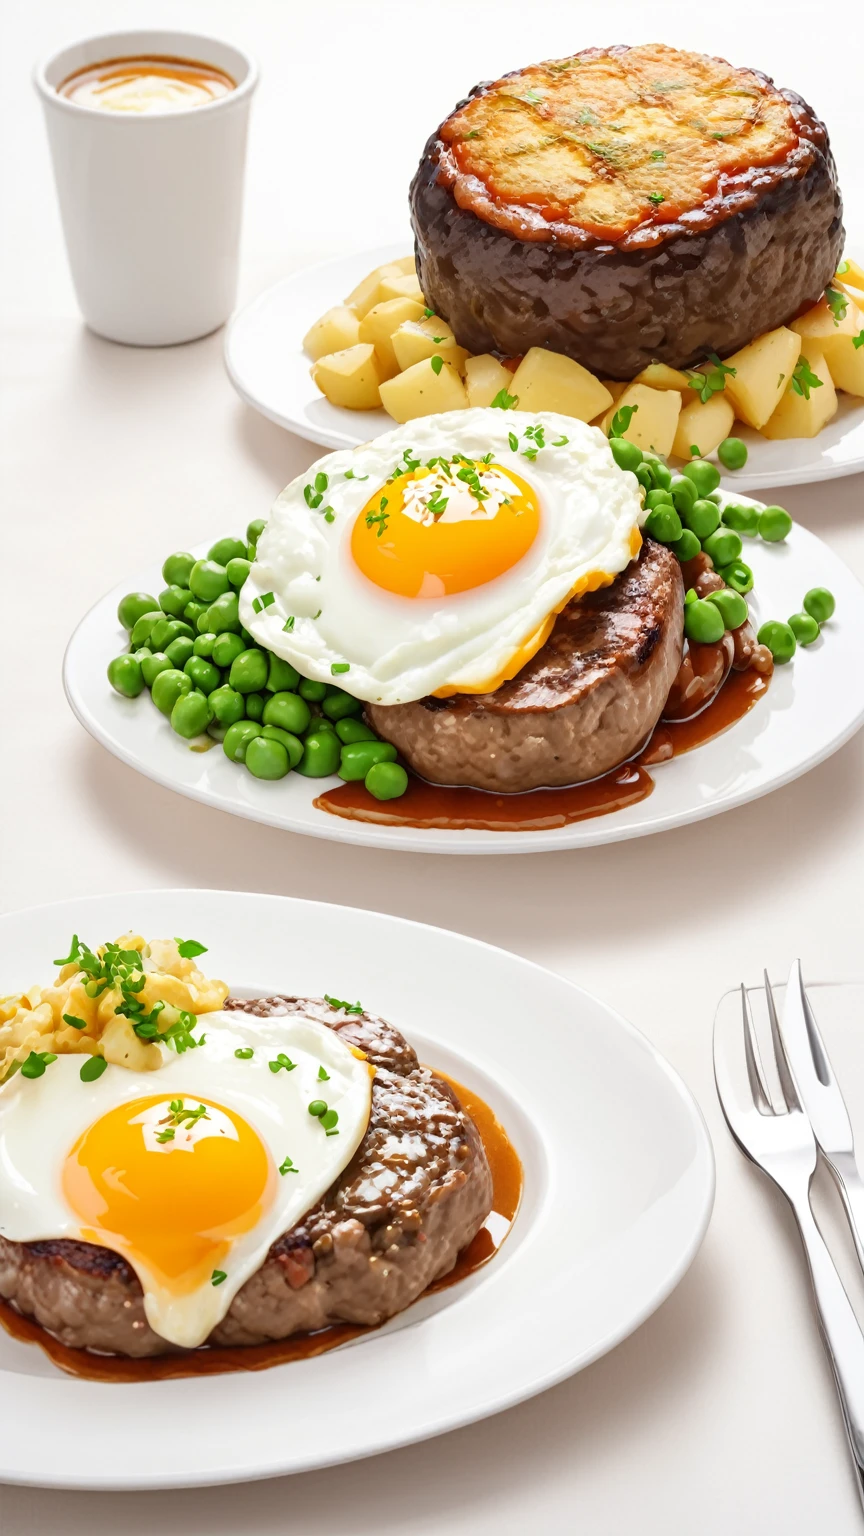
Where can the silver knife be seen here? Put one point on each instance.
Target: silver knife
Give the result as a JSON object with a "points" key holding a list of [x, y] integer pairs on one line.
{"points": [[819, 1093]]}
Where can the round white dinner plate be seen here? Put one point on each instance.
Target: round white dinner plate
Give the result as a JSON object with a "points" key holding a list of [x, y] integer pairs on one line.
{"points": [[269, 369], [814, 704], [619, 1184]]}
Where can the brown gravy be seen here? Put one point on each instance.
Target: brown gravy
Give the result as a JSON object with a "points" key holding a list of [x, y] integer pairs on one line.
{"points": [[462, 809], [506, 1192], [147, 85]]}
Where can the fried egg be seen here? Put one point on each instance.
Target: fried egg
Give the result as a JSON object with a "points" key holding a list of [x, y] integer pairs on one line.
{"points": [[190, 1173], [435, 559]]}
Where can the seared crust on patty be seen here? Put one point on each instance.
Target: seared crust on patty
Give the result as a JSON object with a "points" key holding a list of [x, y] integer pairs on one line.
{"points": [[586, 702], [414, 1194]]}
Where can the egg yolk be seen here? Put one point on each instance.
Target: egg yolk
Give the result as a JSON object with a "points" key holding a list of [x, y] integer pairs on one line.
{"points": [[441, 553], [170, 1183]]}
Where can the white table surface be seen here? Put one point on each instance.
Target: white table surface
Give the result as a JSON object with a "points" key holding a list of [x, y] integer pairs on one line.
{"points": [[719, 1415]]}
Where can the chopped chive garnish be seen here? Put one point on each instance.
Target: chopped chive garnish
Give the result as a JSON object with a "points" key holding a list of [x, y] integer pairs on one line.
{"points": [[350, 475], [336, 1002], [656, 198], [217, 1276], [437, 364], [189, 948], [837, 303], [165, 1135], [658, 154], [244, 1053], [321, 481], [319, 613], [323, 1077], [513, 441], [69, 1018], [282, 1061], [339, 667], [804, 379], [429, 314], [288, 1166], [329, 515], [289, 624], [93, 1067], [560, 442]]}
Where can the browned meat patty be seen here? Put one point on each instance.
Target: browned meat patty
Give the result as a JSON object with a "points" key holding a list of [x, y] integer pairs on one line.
{"points": [[626, 206], [586, 702], [414, 1194]]}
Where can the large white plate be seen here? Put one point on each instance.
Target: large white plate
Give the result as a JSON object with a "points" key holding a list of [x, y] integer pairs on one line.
{"points": [[619, 1183], [270, 370], [813, 706]]}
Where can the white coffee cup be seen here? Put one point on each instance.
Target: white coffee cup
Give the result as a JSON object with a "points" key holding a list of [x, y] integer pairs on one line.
{"points": [[151, 203]]}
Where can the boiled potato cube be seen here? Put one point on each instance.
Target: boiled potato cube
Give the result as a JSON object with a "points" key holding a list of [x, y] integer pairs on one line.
{"points": [[416, 339], [818, 323], [339, 328], [421, 391], [365, 294], [762, 371], [850, 272], [846, 361], [615, 387], [405, 286], [382, 320], [350, 378], [548, 381], [797, 416], [702, 426], [653, 423], [661, 376], [485, 378], [406, 264]]}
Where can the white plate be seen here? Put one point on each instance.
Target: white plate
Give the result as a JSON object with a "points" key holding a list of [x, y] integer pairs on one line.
{"points": [[617, 1197], [813, 706], [269, 369]]}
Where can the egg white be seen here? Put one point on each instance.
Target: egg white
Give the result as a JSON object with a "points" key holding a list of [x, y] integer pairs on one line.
{"points": [[42, 1118], [398, 649]]}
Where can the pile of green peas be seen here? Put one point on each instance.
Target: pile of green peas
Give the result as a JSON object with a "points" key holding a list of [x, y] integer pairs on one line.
{"points": [[802, 628], [206, 674]]}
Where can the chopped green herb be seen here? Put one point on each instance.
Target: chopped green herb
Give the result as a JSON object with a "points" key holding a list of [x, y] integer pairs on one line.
{"points": [[336, 1002], [218, 1276], [436, 363], [321, 481], [69, 1018], [437, 504], [287, 1166], [164, 1136], [93, 1067], [529, 453], [504, 402], [837, 303], [622, 419], [289, 624], [658, 154], [319, 613], [310, 497], [329, 1119], [710, 381], [428, 314], [560, 442], [656, 198], [858, 341], [323, 1077], [513, 441], [350, 475], [338, 667], [843, 268], [695, 451], [281, 1063], [244, 1053], [36, 1062], [74, 950], [473, 133], [317, 1108], [804, 379], [329, 515], [188, 949]]}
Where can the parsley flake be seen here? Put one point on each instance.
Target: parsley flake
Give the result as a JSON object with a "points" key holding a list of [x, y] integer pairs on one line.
{"points": [[288, 1166], [513, 441], [218, 1276], [281, 1063], [436, 363], [323, 1077], [858, 341], [244, 1053], [336, 1002], [658, 154], [187, 949], [656, 198], [504, 402], [837, 303], [804, 379], [289, 624], [622, 419], [338, 667]]}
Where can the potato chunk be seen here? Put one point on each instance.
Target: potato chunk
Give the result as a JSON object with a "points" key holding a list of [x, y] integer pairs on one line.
{"points": [[845, 360], [654, 420], [339, 328], [702, 426], [405, 286], [762, 371], [485, 378], [380, 323], [548, 381], [351, 377], [616, 388], [820, 323], [421, 391], [661, 376], [796, 416], [418, 339], [406, 264], [366, 293]]}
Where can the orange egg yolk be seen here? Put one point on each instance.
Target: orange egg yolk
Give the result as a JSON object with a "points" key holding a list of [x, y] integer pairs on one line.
{"points": [[437, 556], [174, 1202]]}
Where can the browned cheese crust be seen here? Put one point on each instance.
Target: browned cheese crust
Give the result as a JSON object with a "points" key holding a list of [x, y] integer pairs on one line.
{"points": [[626, 205]]}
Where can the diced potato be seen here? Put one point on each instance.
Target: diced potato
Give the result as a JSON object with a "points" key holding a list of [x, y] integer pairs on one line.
{"points": [[616, 388], [421, 391], [851, 273], [382, 320], [417, 339], [339, 328], [365, 294], [485, 377], [661, 376], [702, 426], [818, 323], [405, 264], [548, 381], [351, 377], [846, 361], [655, 419], [796, 416], [405, 286], [762, 371]]}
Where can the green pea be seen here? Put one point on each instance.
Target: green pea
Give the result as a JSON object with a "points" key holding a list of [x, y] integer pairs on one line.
{"points": [[133, 606], [804, 627], [238, 569], [724, 546], [281, 676], [254, 706], [683, 493], [320, 758], [703, 622], [267, 759], [191, 715], [289, 711], [687, 547], [151, 666], [742, 519], [178, 568], [716, 497], [820, 604], [251, 553], [386, 781], [705, 476], [732, 605], [237, 738], [204, 675], [661, 474], [311, 691], [658, 498], [179, 651], [203, 645], [738, 576], [246, 637], [643, 475], [357, 758], [249, 672], [224, 615], [193, 611], [779, 638], [255, 530], [143, 627], [732, 453], [702, 518], [338, 704], [351, 729], [691, 596], [227, 549], [203, 624], [208, 580], [774, 525], [125, 676], [625, 454], [226, 648], [142, 651], [167, 689], [664, 524], [167, 630], [292, 746], [227, 705], [321, 723], [173, 601]]}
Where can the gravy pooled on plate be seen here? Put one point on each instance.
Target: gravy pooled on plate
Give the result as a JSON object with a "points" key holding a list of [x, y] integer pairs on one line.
{"points": [[144, 84]]}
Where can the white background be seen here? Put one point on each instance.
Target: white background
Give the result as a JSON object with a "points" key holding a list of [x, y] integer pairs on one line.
{"points": [[719, 1415]]}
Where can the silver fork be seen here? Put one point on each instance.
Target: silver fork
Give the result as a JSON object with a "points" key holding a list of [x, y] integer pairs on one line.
{"points": [[778, 1139]]}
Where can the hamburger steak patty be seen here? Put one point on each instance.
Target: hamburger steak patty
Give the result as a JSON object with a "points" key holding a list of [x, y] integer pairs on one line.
{"points": [[586, 701], [415, 1193]]}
